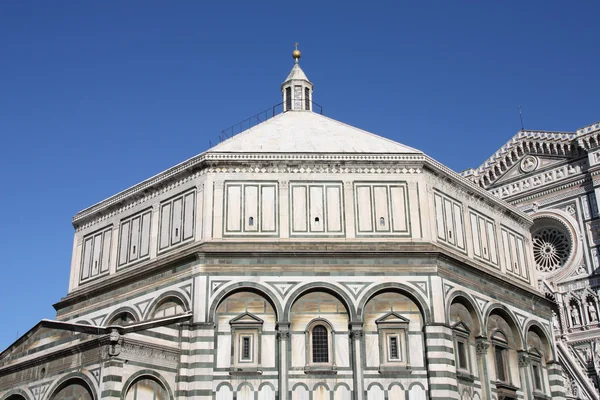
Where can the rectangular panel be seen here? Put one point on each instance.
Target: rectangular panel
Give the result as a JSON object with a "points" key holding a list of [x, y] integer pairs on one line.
{"points": [[439, 217], [145, 233], [251, 208], [521, 257], [176, 233], [491, 234], [165, 225], [134, 244], [398, 197], [317, 224], [475, 235], [513, 254], [124, 242], [364, 208], [506, 247], [106, 243], [96, 254], [382, 217], [268, 207], [234, 208], [334, 207], [449, 222], [299, 214], [485, 251], [189, 211], [458, 223], [87, 258]]}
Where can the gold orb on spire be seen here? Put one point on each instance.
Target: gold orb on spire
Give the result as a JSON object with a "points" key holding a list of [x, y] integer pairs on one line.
{"points": [[296, 53]]}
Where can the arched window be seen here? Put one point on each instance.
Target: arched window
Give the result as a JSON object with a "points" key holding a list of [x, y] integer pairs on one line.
{"points": [[122, 319], [168, 308], [320, 344], [147, 389]]}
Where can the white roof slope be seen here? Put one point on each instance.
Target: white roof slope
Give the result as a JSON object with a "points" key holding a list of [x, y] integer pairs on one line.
{"points": [[296, 73], [308, 132]]}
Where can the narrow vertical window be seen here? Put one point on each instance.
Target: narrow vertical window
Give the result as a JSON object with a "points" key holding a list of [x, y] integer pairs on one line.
{"points": [[537, 381], [320, 344], [251, 221], [246, 352], [381, 221], [288, 99], [307, 99], [462, 355], [394, 352], [500, 369]]}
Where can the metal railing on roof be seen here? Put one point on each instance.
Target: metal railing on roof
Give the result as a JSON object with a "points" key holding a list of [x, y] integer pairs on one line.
{"points": [[261, 117]]}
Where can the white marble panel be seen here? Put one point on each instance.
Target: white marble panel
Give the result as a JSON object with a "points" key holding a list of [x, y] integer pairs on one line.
{"points": [[299, 393], [475, 235], [364, 207], [224, 393], [124, 242], [188, 216], [317, 222], [165, 221], [491, 233], [398, 201], [266, 393], [298, 349], [334, 207], [485, 253], [416, 393], [234, 203], [177, 217], [372, 350], [299, 216], [342, 393], [268, 209], [396, 393], [145, 231], [134, 250], [251, 208], [342, 350], [96, 253], [382, 215], [459, 225], [267, 353], [439, 217], [106, 242], [449, 221], [376, 393], [87, 258], [223, 352]]}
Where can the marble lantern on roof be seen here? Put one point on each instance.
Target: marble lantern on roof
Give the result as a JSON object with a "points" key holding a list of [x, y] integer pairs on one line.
{"points": [[297, 89], [302, 259]]}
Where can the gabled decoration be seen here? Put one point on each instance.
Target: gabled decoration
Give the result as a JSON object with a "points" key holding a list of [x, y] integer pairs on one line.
{"points": [[461, 327], [392, 320], [246, 320]]}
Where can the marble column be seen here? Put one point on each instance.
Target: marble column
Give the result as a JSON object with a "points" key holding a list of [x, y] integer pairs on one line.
{"points": [[283, 337], [356, 337], [482, 346]]}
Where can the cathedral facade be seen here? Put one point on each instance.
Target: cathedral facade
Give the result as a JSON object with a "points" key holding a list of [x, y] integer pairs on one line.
{"points": [[306, 259]]}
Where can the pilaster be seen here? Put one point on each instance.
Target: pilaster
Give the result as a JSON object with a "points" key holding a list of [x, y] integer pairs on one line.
{"points": [[482, 346], [555, 377], [356, 337], [283, 338], [441, 366]]}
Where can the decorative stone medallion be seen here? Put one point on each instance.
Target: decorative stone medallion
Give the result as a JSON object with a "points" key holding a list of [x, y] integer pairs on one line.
{"points": [[529, 164]]}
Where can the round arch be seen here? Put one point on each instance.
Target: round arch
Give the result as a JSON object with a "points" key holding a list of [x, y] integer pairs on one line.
{"points": [[245, 287], [300, 384], [146, 373], [266, 384], [15, 392], [164, 296], [510, 317], [376, 384], [396, 384], [319, 384], [122, 310], [333, 290], [226, 384], [463, 297], [245, 383], [397, 287], [74, 377], [541, 331]]}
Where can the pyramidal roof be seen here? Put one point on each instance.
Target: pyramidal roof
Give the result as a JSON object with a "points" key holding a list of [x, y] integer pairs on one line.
{"points": [[296, 73], [308, 132]]}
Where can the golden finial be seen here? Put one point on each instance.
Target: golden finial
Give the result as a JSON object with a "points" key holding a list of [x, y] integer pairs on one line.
{"points": [[296, 53]]}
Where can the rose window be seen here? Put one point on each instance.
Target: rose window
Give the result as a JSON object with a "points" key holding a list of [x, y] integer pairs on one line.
{"points": [[551, 249]]}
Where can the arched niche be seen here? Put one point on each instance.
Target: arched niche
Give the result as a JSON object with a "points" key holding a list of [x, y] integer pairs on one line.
{"points": [[319, 323], [73, 389], [322, 287], [122, 316], [461, 308], [249, 287], [168, 304], [146, 385], [245, 321]]}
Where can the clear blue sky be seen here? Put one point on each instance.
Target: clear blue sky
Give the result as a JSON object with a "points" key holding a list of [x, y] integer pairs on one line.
{"points": [[97, 96]]}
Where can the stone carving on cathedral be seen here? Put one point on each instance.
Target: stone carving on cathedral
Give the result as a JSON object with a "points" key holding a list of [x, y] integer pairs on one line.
{"points": [[575, 315], [593, 314]]}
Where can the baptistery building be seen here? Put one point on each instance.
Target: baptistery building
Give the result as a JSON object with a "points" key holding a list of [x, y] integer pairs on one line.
{"points": [[306, 259]]}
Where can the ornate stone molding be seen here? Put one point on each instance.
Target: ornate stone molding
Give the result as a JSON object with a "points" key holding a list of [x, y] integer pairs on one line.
{"points": [[481, 346]]}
